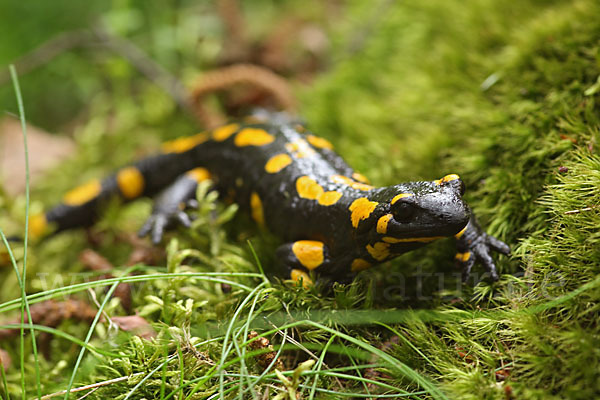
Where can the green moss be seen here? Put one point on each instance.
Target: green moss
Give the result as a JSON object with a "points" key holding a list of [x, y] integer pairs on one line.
{"points": [[527, 148]]}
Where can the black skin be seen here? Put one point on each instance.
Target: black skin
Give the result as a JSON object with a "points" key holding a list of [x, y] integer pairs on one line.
{"points": [[430, 209]]}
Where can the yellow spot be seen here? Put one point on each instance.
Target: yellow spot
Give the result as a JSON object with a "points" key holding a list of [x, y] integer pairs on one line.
{"points": [[253, 137], [344, 180], [359, 264], [131, 182], [447, 178], [424, 239], [462, 232], [360, 177], [224, 132], [463, 257], [277, 163], [361, 208], [308, 188], [329, 198], [309, 253], [184, 144], [199, 174], [300, 148], [319, 142], [82, 194], [38, 225], [382, 223], [302, 277], [379, 251], [400, 196], [256, 209]]}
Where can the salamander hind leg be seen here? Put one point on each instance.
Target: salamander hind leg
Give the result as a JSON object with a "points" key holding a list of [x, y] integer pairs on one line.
{"points": [[301, 257]]}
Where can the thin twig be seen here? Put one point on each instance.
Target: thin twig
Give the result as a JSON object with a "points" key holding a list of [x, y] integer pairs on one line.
{"points": [[99, 36], [88, 393], [146, 65], [209, 82], [47, 51], [580, 210], [92, 386]]}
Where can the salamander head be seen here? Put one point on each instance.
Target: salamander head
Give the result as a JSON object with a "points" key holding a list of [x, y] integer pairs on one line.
{"points": [[421, 212]]}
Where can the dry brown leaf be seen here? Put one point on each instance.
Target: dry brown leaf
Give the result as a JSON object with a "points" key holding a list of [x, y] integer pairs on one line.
{"points": [[5, 360], [94, 261], [136, 325], [51, 313], [45, 151]]}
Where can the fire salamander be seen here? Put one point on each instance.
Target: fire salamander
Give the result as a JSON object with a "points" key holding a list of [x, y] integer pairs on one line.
{"points": [[332, 220]]}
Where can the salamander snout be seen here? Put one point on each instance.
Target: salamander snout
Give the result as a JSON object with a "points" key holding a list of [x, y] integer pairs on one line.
{"points": [[451, 209], [452, 181]]}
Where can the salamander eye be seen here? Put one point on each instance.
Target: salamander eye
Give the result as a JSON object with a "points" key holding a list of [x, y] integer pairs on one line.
{"points": [[403, 211]]}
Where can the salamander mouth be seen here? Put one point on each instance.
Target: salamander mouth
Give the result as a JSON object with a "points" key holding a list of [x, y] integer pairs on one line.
{"points": [[429, 218], [407, 233]]}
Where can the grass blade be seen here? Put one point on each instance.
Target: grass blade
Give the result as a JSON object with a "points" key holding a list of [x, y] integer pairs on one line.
{"points": [[24, 302]]}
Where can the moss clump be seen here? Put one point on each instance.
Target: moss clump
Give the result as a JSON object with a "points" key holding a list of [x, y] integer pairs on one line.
{"points": [[514, 110]]}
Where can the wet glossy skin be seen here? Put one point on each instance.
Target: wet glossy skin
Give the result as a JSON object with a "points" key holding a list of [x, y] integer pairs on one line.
{"points": [[291, 181]]}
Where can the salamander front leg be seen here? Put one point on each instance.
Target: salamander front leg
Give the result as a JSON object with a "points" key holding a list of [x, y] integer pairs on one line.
{"points": [[303, 256], [170, 203], [474, 245]]}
